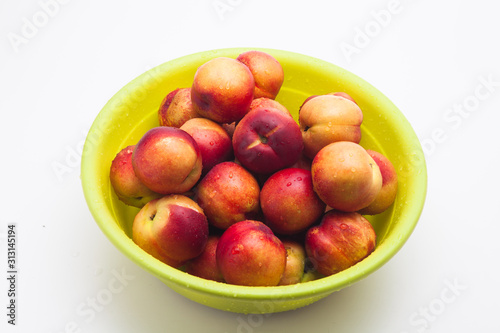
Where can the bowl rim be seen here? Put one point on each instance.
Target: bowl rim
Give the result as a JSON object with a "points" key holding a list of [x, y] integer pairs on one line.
{"points": [[106, 222]]}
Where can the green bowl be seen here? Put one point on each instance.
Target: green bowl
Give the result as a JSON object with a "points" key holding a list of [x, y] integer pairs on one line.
{"points": [[133, 110]]}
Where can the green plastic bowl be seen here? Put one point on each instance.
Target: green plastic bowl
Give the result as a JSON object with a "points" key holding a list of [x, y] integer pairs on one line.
{"points": [[133, 110]]}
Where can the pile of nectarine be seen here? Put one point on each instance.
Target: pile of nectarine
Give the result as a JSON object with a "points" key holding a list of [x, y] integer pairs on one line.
{"points": [[232, 189]]}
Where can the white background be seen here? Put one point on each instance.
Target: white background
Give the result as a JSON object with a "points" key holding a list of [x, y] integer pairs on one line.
{"points": [[431, 58]]}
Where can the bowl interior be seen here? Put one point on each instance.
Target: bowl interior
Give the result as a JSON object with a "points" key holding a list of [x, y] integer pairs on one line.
{"points": [[133, 111]]}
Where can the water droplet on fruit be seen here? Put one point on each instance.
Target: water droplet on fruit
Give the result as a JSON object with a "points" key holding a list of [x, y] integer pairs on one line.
{"points": [[288, 184], [299, 179], [353, 169], [343, 226], [231, 174], [211, 143]]}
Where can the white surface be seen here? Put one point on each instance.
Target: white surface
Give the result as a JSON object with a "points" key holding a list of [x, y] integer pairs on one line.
{"points": [[428, 57]]}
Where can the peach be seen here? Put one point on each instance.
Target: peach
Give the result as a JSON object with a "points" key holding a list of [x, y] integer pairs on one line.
{"points": [[176, 108], [303, 162], [339, 93], [267, 140], [387, 194], [307, 100], [289, 203], [326, 119], [343, 94], [295, 263], [345, 176], [205, 265], [172, 229], [229, 128], [249, 254], [268, 103], [266, 70], [228, 194], [128, 188], [167, 160], [340, 241], [222, 90], [213, 141]]}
